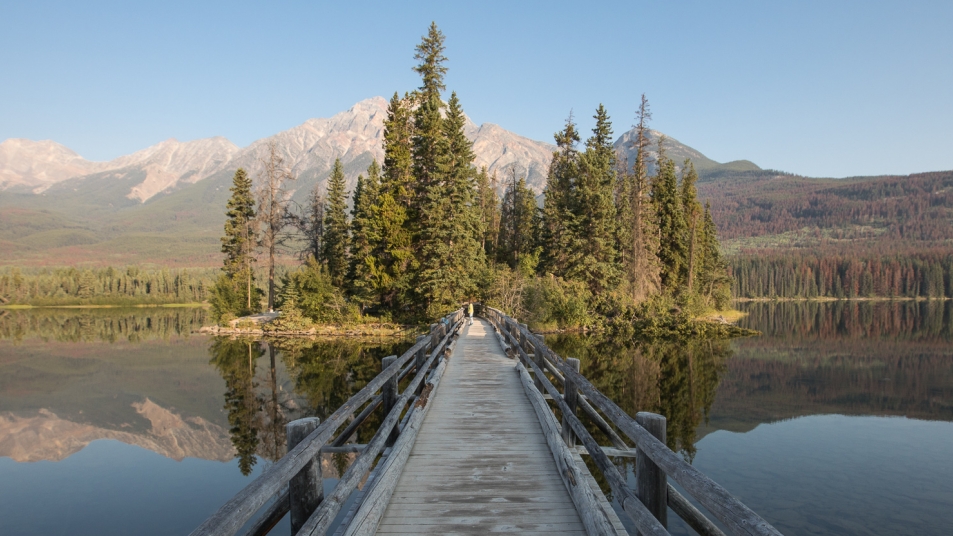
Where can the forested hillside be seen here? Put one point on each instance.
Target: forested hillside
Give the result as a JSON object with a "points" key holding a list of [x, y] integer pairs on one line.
{"points": [[796, 237]]}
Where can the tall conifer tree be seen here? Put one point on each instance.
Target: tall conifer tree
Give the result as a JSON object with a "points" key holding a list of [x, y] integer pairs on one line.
{"points": [[517, 222], [593, 248], [336, 227], [489, 206], [693, 213], [671, 222], [449, 237], [365, 238], [557, 217], [235, 291]]}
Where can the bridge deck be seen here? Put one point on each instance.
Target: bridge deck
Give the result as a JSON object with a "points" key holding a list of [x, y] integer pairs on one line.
{"points": [[481, 463]]}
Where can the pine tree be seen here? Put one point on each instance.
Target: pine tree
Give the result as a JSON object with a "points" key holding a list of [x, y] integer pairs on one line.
{"points": [[557, 216], [398, 153], [336, 227], [235, 292], [637, 236], [593, 253], [450, 252], [713, 280], [670, 221], [365, 238], [693, 212], [312, 225], [273, 210]]}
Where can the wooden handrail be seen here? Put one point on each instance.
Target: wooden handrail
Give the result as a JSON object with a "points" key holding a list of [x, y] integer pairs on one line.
{"points": [[738, 518], [240, 508]]}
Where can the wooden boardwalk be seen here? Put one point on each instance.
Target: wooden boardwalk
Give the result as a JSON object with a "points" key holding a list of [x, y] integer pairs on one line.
{"points": [[481, 463]]}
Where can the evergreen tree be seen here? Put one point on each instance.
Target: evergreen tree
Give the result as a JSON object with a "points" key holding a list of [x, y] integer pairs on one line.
{"points": [[336, 227], [593, 249], [670, 221], [313, 224], [517, 222], [235, 291], [365, 238], [450, 252], [488, 204], [693, 212], [427, 139], [557, 216], [394, 257], [637, 236], [713, 280]]}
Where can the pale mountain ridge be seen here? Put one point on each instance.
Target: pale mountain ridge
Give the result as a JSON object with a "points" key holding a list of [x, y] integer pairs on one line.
{"points": [[354, 136], [39, 164], [309, 150]]}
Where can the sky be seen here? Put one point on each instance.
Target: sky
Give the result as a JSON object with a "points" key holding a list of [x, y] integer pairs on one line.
{"points": [[824, 89]]}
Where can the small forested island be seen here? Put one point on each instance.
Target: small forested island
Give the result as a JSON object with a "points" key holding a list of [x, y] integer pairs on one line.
{"points": [[608, 246]]}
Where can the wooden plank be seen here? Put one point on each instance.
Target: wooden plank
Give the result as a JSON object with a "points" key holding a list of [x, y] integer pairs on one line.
{"points": [[476, 466]]}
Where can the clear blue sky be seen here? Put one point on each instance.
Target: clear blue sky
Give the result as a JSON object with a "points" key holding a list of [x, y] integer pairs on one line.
{"points": [[823, 88]]}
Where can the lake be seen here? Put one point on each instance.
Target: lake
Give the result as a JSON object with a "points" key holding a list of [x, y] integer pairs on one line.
{"points": [[838, 419]]}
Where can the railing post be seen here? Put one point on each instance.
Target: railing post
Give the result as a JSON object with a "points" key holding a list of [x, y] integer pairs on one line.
{"points": [[571, 396], [389, 398], [420, 359], [651, 485], [523, 338], [306, 489]]}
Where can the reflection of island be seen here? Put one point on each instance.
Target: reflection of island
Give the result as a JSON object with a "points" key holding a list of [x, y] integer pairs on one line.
{"points": [[45, 436], [100, 325], [322, 375], [675, 379]]}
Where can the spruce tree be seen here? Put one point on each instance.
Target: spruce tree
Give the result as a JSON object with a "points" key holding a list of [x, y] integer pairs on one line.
{"points": [[395, 260], [557, 216], [670, 221], [593, 248], [335, 242], [693, 212], [450, 252], [365, 238], [235, 291], [714, 284]]}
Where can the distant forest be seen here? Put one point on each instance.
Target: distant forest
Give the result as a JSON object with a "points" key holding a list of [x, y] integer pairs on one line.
{"points": [[105, 286], [794, 237]]}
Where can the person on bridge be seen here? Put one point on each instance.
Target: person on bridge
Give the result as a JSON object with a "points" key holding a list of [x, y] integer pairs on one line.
{"points": [[470, 312]]}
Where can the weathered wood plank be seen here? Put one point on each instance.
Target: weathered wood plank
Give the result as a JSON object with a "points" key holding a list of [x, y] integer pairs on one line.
{"points": [[479, 449]]}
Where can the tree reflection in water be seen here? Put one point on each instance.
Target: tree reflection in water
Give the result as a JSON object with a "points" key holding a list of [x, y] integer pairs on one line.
{"points": [[677, 379], [302, 378]]}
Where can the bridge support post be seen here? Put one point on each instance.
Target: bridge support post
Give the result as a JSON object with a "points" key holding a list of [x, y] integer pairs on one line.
{"points": [[389, 396], [651, 484], [571, 396], [306, 489]]}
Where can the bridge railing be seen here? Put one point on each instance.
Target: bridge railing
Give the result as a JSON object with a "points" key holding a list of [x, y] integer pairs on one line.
{"points": [[293, 482], [648, 504]]}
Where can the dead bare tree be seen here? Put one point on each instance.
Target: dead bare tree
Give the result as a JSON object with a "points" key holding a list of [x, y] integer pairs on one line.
{"points": [[273, 198]]}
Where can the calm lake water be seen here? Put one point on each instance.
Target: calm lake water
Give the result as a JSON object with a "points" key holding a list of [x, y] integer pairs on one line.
{"points": [[838, 420]]}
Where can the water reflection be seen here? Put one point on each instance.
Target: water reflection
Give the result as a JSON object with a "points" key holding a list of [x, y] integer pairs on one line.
{"points": [[99, 325], [300, 378], [675, 379], [851, 358]]}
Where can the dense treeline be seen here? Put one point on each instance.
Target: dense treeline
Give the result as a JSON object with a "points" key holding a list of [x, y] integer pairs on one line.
{"points": [[428, 231], [105, 286], [796, 274]]}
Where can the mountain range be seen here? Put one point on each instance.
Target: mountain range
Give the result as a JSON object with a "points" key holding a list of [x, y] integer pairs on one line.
{"points": [[164, 204]]}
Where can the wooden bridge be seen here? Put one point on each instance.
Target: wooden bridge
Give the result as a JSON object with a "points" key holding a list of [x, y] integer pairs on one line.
{"points": [[472, 445]]}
